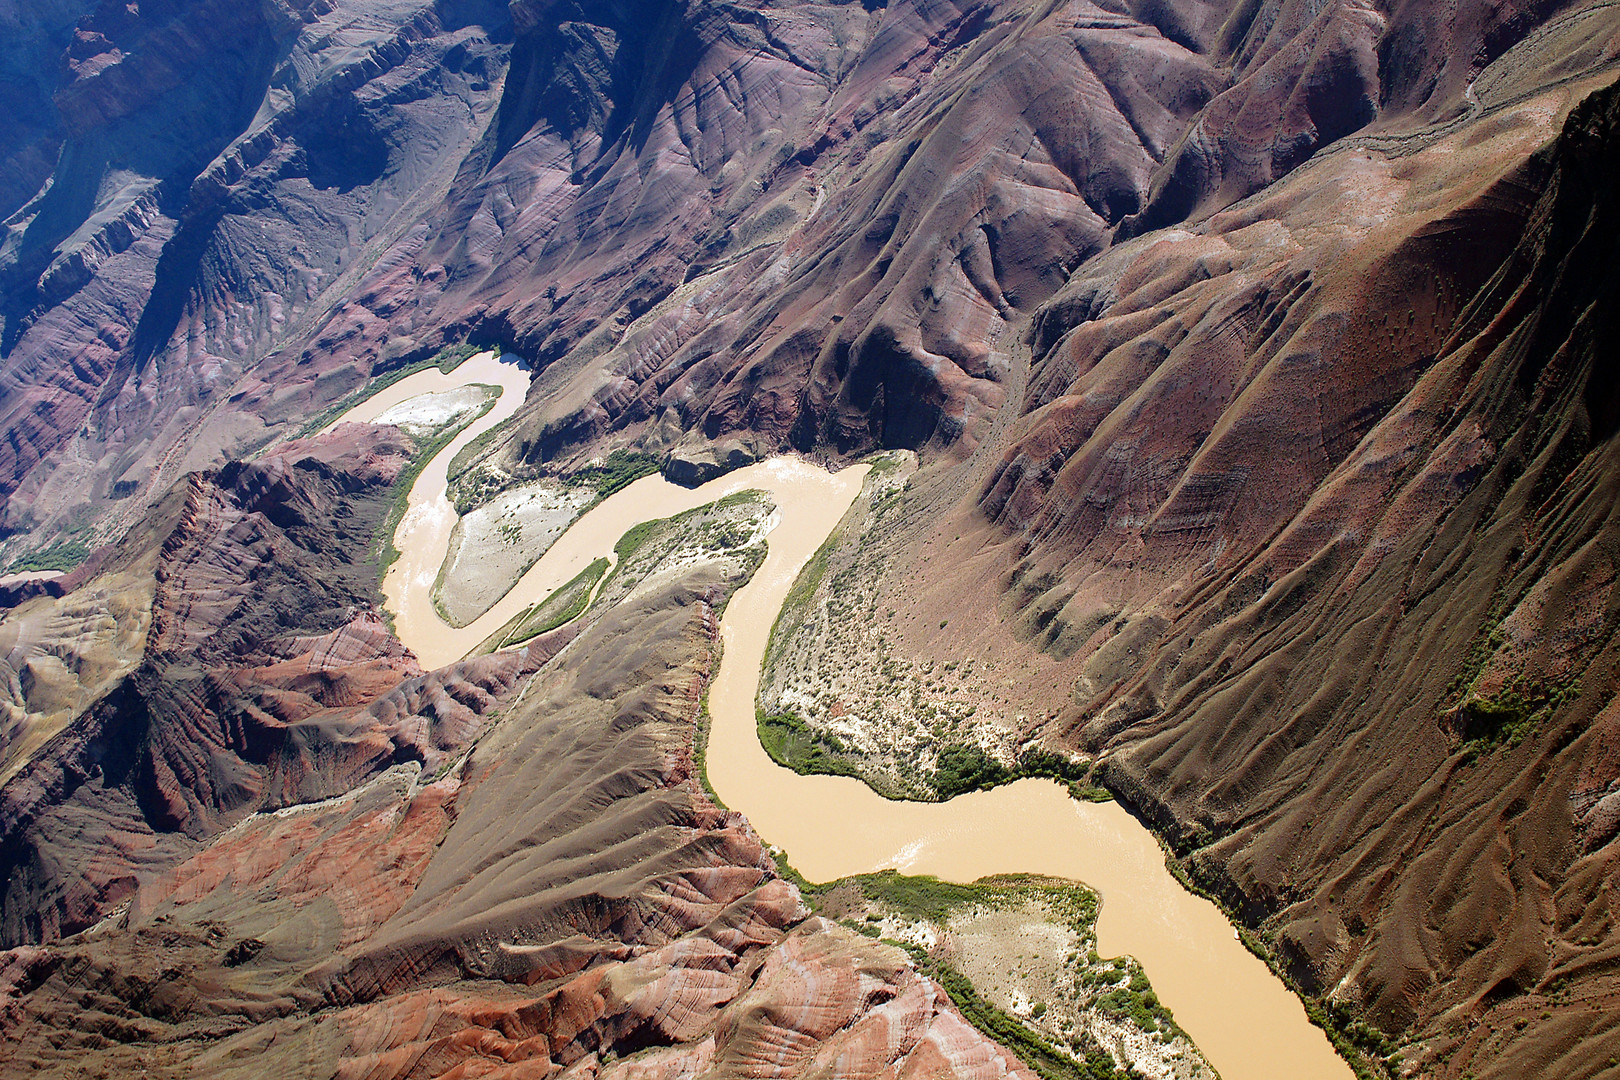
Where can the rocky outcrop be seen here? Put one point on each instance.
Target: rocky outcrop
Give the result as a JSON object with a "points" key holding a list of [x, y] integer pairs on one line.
{"points": [[222, 173], [835, 280], [1264, 339], [1365, 682], [229, 660], [26, 588], [564, 898], [807, 224], [1305, 85], [32, 138]]}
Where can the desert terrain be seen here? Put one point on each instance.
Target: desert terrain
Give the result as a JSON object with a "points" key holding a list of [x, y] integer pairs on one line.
{"points": [[1233, 383]]}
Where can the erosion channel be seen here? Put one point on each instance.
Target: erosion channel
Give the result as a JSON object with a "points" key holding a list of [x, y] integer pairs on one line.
{"points": [[1247, 1023]]}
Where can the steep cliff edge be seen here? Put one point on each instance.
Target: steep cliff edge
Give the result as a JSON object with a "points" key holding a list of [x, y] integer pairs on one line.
{"points": [[1354, 656], [726, 229], [221, 176], [236, 663], [1391, 732]]}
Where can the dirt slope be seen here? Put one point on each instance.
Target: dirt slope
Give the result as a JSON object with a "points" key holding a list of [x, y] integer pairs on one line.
{"points": [[246, 668], [1351, 656]]}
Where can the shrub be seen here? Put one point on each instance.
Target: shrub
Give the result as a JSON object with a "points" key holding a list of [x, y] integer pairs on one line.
{"points": [[621, 469], [63, 555], [965, 767]]}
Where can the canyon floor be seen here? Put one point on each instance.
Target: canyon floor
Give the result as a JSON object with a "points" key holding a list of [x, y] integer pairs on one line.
{"points": [[1235, 383]]}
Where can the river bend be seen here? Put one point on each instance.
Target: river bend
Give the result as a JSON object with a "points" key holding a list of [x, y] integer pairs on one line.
{"points": [[1247, 1024]]}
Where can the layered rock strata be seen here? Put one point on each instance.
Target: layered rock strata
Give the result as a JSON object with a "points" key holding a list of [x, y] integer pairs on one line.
{"points": [[563, 899], [1254, 353]]}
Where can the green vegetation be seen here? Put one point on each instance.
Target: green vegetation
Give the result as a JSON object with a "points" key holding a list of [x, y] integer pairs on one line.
{"points": [[475, 489], [565, 603], [472, 485], [467, 454], [1137, 1002], [1489, 638], [923, 896], [700, 737], [1040, 1055], [1344, 1029], [795, 744], [621, 469], [1040, 762], [635, 536], [799, 597], [709, 535], [63, 555], [1510, 715], [838, 576], [451, 357], [1118, 988], [809, 890], [884, 462], [1368, 1058], [964, 767], [933, 901], [699, 528]]}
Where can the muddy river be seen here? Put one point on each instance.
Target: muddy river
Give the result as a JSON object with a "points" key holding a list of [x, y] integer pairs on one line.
{"points": [[1249, 1026]]}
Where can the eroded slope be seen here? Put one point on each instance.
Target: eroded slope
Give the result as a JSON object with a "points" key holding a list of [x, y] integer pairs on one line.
{"points": [[1350, 655], [562, 896]]}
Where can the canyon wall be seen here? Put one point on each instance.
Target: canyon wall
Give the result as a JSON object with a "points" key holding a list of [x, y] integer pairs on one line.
{"points": [[1256, 354]]}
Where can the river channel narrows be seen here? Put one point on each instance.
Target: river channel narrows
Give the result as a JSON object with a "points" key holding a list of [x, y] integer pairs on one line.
{"points": [[1245, 1021]]}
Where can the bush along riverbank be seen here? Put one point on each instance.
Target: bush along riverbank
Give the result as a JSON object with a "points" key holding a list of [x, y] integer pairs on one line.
{"points": [[959, 767]]}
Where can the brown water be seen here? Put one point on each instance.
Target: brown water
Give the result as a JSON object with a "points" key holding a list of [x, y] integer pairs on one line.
{"points": [[1249, 1026], [424, 531]]}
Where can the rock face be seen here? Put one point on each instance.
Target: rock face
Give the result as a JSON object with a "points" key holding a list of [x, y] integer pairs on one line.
{"points": [[1258, 350], [563, 897], [219, 174], [227, 659], [1366, 685]]}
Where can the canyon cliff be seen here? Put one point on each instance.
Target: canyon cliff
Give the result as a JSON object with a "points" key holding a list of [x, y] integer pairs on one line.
{"points": [[1258, 358]]}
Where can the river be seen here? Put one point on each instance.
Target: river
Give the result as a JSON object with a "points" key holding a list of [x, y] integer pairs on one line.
{"points": [[1248, 1025]]}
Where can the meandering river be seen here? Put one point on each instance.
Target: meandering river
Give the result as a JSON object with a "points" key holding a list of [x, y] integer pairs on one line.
{"points": [[1248, 1025]]}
